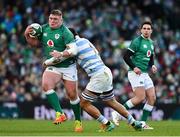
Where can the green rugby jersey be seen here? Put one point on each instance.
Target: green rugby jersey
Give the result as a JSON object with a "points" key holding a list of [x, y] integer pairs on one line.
{"points": [[56, 39], [142, 49]]}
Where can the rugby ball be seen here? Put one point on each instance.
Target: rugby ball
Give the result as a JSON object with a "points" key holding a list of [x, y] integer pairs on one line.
{"points": [[37, 30], [143, 124]]}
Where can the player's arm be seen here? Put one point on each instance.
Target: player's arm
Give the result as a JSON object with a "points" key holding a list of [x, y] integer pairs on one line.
{"points": [[151, 64], [71, 50], [33, 41], [132, 49], [57, 56], [127, 59]]}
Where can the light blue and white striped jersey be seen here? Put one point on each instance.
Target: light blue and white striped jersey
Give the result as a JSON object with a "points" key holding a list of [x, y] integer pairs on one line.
{"points": [[88, 57]]}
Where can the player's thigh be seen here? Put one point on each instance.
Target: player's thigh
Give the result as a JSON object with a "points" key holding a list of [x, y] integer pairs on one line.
{"points": [[148, 82], [140, 92], [69, 73], [150, 89], [101, 82], [137, 83], [69, 77], [111, 102], [50, 79], [150, 94], [136, 80], [71, 89], [84, 102]]}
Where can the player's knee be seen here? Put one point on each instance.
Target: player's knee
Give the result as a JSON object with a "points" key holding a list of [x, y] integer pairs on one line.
{"points": [[142, 99], [72, 95], [153, 98], [47, 86], [44, 87], [140, 96], [83, 103]]}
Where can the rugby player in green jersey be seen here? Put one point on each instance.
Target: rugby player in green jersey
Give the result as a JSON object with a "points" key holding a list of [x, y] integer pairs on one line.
{"points": [[139, 56], [56, 36], [100, 83]]}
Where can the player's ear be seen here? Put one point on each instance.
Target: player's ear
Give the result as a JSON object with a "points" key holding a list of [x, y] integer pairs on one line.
{"points": [[151, 30], [61, 18]]}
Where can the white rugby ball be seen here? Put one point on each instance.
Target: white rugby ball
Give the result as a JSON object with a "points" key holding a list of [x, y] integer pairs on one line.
{"points": [[143, 124], [37, 30]]}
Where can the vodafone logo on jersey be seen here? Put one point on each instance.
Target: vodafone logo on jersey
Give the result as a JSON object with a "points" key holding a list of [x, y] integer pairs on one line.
{"points": [[50, 43], [148, 53]]}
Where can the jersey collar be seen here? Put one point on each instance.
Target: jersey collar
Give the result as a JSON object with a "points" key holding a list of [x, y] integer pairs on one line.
{"points": [[145, 38]]}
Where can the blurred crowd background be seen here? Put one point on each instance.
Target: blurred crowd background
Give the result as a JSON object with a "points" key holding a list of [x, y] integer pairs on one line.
{"points": [[109, 24]]}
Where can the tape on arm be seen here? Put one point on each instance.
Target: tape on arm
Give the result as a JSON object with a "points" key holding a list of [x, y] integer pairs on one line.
{"points": [[71, 48]]}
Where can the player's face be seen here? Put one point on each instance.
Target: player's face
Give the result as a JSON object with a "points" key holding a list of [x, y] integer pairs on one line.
{"points": [[55, 21], [146, 30]]}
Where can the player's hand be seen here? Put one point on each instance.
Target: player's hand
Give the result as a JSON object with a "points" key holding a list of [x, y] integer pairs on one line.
{"points": [[154, 69], [137, 70], [28, 30], [56, 54], [44, 65]]}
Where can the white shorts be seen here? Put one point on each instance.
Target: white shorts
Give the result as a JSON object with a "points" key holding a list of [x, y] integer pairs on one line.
{"points": [[69, 73], [101, 82], [142, 80]]}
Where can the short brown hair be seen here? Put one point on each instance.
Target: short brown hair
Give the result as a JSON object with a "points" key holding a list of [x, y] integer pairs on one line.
{"points": [[148, 23], [56, 12]]}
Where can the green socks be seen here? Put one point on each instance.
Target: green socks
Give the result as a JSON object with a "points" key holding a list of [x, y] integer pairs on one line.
{"points": [[75, 105], [53, 100], [128, 104], [145, 115], [146, 112]]}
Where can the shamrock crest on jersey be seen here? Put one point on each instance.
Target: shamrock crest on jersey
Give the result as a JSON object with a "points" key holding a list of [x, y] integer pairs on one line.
{"points": [[145, 46], [57, 36]]}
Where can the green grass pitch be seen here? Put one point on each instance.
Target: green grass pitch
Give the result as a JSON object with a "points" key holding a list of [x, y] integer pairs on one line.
{"points": [[21, 127]]}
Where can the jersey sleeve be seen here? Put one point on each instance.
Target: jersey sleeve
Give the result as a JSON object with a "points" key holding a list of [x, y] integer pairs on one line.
{"points": [[133, 46], [68, 36]]}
